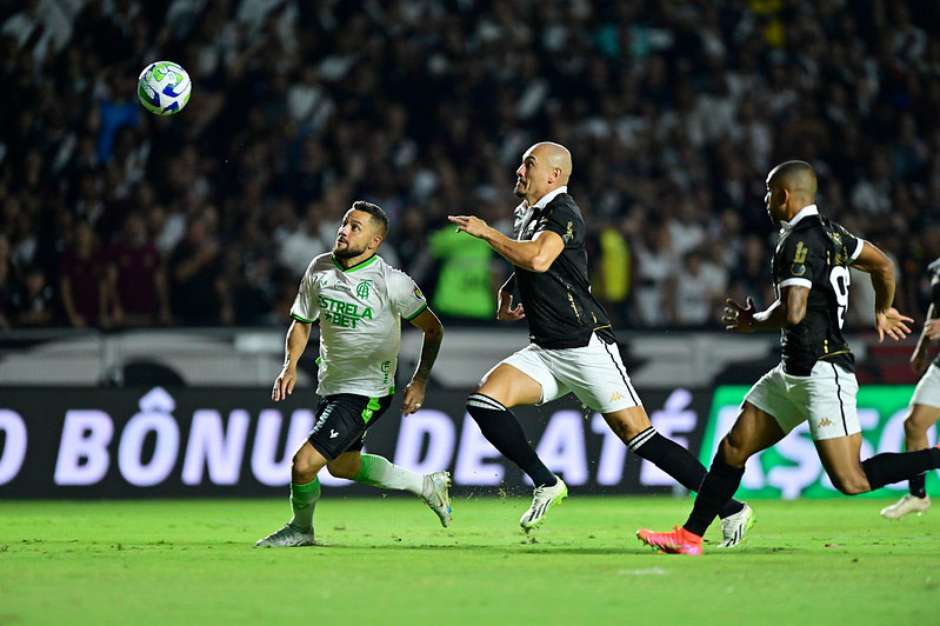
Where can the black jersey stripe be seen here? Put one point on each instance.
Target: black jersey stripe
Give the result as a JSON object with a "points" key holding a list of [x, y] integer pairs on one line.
{"points": [[835, 372], [622, 373]]}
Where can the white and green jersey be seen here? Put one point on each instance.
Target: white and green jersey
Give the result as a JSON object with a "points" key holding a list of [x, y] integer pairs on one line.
{"points": [[360, 311]]}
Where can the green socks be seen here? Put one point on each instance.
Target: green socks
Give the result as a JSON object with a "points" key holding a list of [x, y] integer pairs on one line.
{"points": [[378, 471], [303, 499]]}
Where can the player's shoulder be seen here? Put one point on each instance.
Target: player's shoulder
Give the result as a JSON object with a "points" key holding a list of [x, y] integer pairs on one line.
{"points": [[321, 263], [391, 274], [563, 203]]}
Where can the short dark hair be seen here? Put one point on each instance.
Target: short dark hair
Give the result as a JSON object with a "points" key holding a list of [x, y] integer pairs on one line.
{"points": [[378, 214]]}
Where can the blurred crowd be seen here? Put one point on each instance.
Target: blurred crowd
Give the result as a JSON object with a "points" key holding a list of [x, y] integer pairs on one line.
{"points": [[674, 111]]}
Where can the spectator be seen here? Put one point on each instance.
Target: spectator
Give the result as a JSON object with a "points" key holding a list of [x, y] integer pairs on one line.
{"points": [[137, 278], [196, 277], [83, 283]]}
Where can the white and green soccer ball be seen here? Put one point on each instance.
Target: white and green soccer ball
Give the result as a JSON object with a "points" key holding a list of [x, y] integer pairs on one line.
{"points": [[164, 87]]}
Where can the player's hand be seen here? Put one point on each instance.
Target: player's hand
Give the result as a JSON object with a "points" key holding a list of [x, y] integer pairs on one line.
{"points": [[893, 324], [932, 330], [737, 318], [414, 396], [284, 384], [469, 224], [506, 311]]}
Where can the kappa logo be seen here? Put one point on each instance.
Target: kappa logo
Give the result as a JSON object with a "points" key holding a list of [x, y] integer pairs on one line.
{"points": [[616, 396], [333, 434], [825, 422]]}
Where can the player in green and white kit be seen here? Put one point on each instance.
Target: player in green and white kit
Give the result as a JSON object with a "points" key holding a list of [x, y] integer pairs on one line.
{"points": [[359, 301]]}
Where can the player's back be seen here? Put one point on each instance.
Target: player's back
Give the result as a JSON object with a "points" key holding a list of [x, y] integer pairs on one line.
{"points": [[815, 253]]}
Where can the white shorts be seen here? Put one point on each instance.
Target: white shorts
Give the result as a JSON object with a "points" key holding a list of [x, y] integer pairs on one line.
{"points": [[827, 398], [594, 373], [928, 388]]}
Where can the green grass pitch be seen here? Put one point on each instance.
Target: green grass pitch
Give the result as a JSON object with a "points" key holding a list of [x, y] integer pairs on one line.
{"points": [[387, 561]]}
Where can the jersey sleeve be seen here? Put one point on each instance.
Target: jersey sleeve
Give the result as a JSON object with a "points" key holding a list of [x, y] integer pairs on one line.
{"points": [[405, 298], [851, 244], [802, 262], [563, 221], [305, 307]]}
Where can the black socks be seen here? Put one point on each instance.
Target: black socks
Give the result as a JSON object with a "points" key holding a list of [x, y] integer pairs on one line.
{"points": [[502, 429], [891, 467], [678, 462], [717, 488]]}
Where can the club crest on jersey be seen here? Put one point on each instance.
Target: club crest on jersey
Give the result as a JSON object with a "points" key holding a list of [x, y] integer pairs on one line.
{"points": [[362, 289]]}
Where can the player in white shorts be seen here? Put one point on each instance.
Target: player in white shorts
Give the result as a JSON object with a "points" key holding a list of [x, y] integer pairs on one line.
{"points": [[925, 403], [573, 348], [816, 380], [359, 302]]}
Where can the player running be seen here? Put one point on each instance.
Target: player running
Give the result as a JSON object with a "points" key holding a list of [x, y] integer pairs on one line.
{"points": [[815, 380], [925, 404], [358, 301], [573, 348]]}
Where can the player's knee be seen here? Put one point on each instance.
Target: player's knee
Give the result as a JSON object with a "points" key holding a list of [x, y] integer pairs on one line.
{"points": [[916, 427], [851, 484], [733, 450], [342, 470], [302, 466]]}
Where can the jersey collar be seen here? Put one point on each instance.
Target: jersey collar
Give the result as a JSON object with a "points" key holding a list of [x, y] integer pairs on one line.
{"points": [[544, 200], [358, 266], [803, 213]]}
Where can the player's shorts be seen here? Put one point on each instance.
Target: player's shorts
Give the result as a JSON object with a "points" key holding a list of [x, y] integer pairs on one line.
{"points": [[594, 373], [342, 420], [827, 398], [928, 388]]}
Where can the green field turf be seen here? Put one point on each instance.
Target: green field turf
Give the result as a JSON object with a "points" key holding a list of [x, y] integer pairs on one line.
{"points": [[386, 561]]}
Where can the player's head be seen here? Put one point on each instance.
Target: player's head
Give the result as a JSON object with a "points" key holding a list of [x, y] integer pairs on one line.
{"points": [[545, 167], [363, 229], [790, 187]]}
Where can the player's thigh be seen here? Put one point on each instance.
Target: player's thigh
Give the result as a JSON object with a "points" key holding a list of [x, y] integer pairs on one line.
{"points": [[307, 462], [920, 418], [342, 420], [840, 458], [927, 392], [828, 398], [521, 379], [628, 423], [771, 396], [753, 430], [347, 464], [596, 375]]}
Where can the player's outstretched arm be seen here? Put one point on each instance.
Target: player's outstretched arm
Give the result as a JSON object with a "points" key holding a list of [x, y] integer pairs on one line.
{"points": [[433, 330], [535, 255], [888, 321], [297, 336], [747, 319]]}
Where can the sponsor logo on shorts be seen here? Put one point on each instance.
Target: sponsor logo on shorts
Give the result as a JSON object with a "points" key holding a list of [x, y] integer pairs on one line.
{"points": [[333, 434], [825, 422], [616, 396]]}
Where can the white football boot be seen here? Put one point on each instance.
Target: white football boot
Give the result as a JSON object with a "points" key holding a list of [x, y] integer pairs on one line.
{"points": [[287, 537], [436, 496], [735, 527], [905, 506], [543, 499]]}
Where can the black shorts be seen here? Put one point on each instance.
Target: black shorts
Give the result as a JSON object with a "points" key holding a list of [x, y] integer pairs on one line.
{"points": [[342, 420]]}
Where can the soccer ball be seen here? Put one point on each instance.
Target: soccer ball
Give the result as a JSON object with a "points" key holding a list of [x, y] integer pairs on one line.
{"points": [[163, 88]]}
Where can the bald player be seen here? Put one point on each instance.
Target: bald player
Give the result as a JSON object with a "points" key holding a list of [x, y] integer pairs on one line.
{"points": [[815, 380], [572, 349]]}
